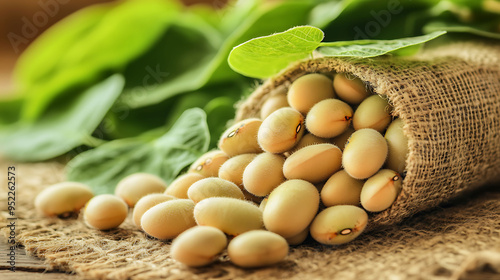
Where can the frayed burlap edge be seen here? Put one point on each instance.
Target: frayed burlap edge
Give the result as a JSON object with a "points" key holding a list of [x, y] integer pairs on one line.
{"points": [[449, 100]]}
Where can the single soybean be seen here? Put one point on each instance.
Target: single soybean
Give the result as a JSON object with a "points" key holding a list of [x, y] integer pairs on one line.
{"points": [[329, 118], [209, 163], [374, 112], [257, 248], [314, 163], [365, 153], [350, 88], [338, 224], [341, 189], [232, 216], [309, 90], [179, 187], [264, 173], [274, 102], [63, 199], [147, 202], [135, 186], [169, 219], [281, 130], [105, 211], [241, 138], [381, 190], [198, 246], [214, 187], [232, 170], [398, 146]]}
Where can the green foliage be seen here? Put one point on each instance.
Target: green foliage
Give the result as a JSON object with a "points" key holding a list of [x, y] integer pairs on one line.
{"points": [[166, 156]]}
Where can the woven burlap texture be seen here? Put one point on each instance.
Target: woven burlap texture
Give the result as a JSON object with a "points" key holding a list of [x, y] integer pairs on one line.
{"points": [[446, 242], [449, 101]]}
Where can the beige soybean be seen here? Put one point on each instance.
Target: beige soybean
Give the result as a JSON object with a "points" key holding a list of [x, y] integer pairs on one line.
{"points": [[169, 219], [340, 189], [232, 169], [398, 146], [350, 88], [374, 112], [329, 118], [135, 186], [147, 202], [257, 248], [198, 246], [381, 190], [299, 238], [365, 153], [281, 130], [263, 174], [307, 140], [179, 187], [214, 187], [273, 103], [231, 215], [208, 164], [291, 207], [309, 90], [63, 199], [338, 224], [241, 138], [314, 163], [105, 211], [341, 140]]}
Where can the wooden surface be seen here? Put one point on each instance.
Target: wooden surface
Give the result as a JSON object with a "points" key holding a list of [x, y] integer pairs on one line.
{"points": [[27, 267]]}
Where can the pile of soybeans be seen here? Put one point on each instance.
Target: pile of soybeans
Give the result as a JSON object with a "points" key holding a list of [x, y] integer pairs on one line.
{"points": [[323, 155]]}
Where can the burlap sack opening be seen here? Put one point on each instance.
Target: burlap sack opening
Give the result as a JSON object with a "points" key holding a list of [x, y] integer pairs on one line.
{"points": [[449, 101], [456, 241]]}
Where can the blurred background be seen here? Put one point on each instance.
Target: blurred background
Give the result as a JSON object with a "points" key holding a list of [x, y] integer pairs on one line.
{"points": [[14, 15]]}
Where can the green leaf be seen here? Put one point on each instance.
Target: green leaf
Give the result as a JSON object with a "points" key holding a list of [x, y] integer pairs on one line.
{"points": [[484, 30], [115, 38], [264, 56], [372, 48], [166, 156], [67, 125]]}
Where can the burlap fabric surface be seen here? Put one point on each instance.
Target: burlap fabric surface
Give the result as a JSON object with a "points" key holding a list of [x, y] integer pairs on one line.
{"points": [[450, 107]]}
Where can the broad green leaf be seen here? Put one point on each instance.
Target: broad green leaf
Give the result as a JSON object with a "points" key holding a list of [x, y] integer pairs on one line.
{"points": [[166, 156], [372, 48], [264, 56], [121, 35], [69, 124], [483, 30], [10, 107]]}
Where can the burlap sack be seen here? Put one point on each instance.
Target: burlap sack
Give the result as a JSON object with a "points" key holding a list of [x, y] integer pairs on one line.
{"points": [[449, 101], [451, 110]]}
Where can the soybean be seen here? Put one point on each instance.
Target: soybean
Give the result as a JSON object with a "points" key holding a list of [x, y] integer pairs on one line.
{"points": [[147, 202], [209, 163], [380, 191], [309, 90], [179, 187], [273, 103], [340, 189], [135, 186], [241, 138], [291, 207], [214, 187], [299, 238], [314, 163], [281, 130], [307, 140], [169, 219], [105, 211], [232, 169], [350, 88], [232, 216], [365, 153], [63, 199], [329, 118], [198, 246], [398, 146], [374, 112], [257, 248], [263, 174], [338, 224]]}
